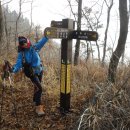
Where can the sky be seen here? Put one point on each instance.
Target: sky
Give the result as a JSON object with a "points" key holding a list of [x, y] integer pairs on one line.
{"points": [[44, 11]]}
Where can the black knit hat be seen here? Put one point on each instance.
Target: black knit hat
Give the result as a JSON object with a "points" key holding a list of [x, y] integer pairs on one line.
{"points": [[22, 40]]}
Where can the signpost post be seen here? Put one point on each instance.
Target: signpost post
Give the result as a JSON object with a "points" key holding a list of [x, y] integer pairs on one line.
{"points": [[65, 30], [66, 60]]}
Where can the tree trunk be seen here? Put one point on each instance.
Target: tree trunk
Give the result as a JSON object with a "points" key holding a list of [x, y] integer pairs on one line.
{"points": [[1, 26], [105, 38], [88, 52], [121, 41], [77, 47], [17, 20]]}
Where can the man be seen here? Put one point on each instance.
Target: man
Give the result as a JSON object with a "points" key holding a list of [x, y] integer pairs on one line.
{"points": [[29, 59]]}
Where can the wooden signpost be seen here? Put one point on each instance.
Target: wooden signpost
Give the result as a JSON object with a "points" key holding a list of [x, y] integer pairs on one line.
{"points": [[65, 30]]}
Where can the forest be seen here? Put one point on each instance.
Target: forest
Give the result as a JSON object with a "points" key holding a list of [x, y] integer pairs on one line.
{"points": [[85, 81]]}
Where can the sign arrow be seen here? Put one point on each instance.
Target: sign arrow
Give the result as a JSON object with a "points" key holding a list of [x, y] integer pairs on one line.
{"points": [[63, 33]]}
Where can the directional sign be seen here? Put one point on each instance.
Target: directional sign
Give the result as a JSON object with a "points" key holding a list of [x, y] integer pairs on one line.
{"points": [[57, 24], [85, 35], [61, 33], [65, 30]]}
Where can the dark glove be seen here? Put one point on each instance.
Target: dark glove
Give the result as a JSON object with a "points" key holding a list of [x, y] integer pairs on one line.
{"points": [[7, 66], [45, 33]]}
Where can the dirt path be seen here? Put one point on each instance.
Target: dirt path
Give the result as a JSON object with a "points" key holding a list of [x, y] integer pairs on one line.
{"points": [[28, 120]]}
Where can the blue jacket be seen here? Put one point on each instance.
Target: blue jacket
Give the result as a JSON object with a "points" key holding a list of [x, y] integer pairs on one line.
{"points": [[31, 56]]}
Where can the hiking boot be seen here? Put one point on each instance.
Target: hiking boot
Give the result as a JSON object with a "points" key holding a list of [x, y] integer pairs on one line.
{"points": [[40, 110]]}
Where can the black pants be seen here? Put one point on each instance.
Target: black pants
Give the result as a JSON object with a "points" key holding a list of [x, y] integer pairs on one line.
{"points": [[36, 79]]}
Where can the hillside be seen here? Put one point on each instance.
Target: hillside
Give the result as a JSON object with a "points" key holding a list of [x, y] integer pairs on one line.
{"points": [[98, 103]]}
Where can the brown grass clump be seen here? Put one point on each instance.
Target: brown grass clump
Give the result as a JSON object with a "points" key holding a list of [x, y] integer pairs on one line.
{"points": [[109, 108], [96, 103]]}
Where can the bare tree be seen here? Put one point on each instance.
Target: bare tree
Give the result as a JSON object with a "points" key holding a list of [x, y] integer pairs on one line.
{"points": [[31, 18], [124, 20], [7, 2], [105, 38], [1, 27], [97, 24], [77, 47], [69, 1], [86, 14], [7, 34], [16, 26], [88, 51], [94, 26]]}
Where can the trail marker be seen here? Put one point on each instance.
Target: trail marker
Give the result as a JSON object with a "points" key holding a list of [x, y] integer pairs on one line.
{"points": [[64, 33], [65, 30]]}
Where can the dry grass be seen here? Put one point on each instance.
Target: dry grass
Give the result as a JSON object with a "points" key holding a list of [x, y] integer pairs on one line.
{"points": [[100, 104], [109, 108]]}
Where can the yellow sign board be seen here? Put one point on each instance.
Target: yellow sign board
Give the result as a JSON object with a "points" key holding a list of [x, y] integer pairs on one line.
{"points": [[68, 79], [65, 78]]}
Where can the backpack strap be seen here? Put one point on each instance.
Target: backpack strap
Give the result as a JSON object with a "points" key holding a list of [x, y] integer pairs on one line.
{"points": [[38, 54], [23, 57]]}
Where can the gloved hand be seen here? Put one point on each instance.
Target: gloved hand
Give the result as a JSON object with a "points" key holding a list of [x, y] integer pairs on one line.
{"points": [[6, 69], [45, 33], [11, 70], [12, 74]]}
